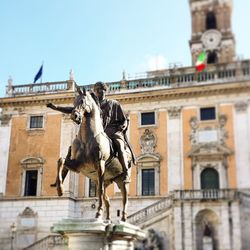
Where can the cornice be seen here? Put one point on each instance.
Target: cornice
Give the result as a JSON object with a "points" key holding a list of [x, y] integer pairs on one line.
{"points": [[40, 99], [142, 95], [183, 92]]}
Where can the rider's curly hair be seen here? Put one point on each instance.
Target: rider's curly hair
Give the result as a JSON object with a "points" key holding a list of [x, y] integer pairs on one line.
{"points": [[101, 85]]}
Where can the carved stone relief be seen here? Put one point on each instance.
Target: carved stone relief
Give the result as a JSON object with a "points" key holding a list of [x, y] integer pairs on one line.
{"points": [[174, 112], [148, 142], [241, 106], [194, 125], [223, 135], [5, 119], [205, 151], [27, 212]]}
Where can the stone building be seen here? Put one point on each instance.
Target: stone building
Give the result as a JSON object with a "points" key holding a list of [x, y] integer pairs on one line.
{"points": [[190, 133]]}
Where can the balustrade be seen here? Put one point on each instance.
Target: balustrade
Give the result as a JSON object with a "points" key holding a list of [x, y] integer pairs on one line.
{"points": [[151, 210], [48, 242], [169, 78]]}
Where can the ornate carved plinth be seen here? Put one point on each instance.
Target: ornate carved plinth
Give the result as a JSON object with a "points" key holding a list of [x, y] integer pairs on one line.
{"points": [[98, 234]]}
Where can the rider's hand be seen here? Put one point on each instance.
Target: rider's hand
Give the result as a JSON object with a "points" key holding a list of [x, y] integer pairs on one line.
{"points": [[51, 105]]}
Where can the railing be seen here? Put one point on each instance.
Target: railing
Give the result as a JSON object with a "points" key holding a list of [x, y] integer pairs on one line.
{"points": [[47, 243], [39, 88], [169, 78], [150, 211], [205, 194], [244, 197]]}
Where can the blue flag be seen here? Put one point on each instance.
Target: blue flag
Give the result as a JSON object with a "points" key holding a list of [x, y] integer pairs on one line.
{"points": [[39, 74]]}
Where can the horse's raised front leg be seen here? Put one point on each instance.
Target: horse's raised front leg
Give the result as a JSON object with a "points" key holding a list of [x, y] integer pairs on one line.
{"points": [[59, 179], [100, 187], [64, 170], [76, 152]]}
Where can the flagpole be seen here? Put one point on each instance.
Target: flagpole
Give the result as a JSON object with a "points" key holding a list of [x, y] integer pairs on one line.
{"points": [[42, 73]]}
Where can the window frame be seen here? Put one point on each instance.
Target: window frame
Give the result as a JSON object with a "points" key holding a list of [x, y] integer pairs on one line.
{"points": [[208, 120], [26, 184], [140, 125], [142, 184], [202, 179], [89, 188], [148, 161], [36, 115], [30, 164]]}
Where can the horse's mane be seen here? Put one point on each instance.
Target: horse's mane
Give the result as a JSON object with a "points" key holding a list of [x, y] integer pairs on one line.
{"points": [[95, 98]]}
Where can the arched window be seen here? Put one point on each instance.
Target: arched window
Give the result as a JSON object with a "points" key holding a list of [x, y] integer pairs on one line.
{"points": [[209, 179], [212, 57], [211, 21]]}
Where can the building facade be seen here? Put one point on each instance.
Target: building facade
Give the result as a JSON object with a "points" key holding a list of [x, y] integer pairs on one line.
{"points": [[190, 133]]}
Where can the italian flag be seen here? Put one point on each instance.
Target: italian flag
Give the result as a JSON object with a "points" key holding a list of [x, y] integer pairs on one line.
{"points": [[201, 61]]}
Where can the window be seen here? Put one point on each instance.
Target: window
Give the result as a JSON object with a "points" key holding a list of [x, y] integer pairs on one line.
{"points": [[211, 21], [31, 183], [147, 118], [92, 188], [209, 179], [36, 122], [207, 114], [212, 57], [148, 182], [32, 170]]}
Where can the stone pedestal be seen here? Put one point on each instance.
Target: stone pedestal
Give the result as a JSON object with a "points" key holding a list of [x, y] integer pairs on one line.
{"points": [[98, 234]]}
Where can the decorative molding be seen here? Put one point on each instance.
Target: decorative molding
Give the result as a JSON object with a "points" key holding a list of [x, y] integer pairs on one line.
{"points": [[67, 117], [28, 212], [223, 135], [194, 125], [174, 112], [5, 119], [241, 106], [145, 158], [32, 162], [148, 142], [209, 152]]}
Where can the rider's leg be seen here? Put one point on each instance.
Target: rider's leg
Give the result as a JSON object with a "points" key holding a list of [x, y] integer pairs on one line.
{"points": [[122, 156]]}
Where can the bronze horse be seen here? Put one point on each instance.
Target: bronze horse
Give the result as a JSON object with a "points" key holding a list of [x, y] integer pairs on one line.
{"points": [[92, 155]]}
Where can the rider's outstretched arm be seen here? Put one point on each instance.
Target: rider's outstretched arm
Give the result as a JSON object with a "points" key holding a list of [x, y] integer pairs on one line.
{"points": [[65, 110]]}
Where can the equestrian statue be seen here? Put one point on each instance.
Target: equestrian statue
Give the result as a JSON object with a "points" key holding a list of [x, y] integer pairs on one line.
{"points": [[101, 150]]}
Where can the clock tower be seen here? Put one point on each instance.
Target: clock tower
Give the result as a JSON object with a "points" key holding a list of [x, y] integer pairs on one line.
{"points": [[212, 31]]}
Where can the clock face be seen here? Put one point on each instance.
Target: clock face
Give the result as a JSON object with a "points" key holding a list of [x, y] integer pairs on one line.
{"points": [[211, 39]]}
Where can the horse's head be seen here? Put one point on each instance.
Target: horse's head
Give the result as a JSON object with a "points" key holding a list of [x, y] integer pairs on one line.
{"points": [[82, 105]]}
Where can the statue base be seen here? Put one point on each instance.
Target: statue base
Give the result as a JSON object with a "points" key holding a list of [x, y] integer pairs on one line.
{"points": [[98, 234]]}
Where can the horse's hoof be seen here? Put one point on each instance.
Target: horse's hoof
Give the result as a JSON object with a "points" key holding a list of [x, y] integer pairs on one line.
{"points": [[60, 190], [123, 219], [98, 215], [124, 216]]}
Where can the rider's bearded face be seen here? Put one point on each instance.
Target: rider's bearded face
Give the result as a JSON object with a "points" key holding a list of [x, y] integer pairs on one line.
{"points": [[100, 93]]}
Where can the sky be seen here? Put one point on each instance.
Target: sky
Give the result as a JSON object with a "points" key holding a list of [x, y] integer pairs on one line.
{"points": [[99, 39]]}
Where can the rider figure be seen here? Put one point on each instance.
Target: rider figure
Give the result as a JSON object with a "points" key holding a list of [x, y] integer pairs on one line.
{"points": [[114, 124]]}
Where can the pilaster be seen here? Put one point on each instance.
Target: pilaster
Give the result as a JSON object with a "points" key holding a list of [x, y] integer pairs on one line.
{"points": [[68, 133], [241, 131], [5, 132], [175, 162]]}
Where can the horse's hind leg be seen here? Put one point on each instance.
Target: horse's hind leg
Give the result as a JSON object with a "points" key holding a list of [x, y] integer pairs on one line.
{"points": [[124, 190], [100, 171], [107, 202]]}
